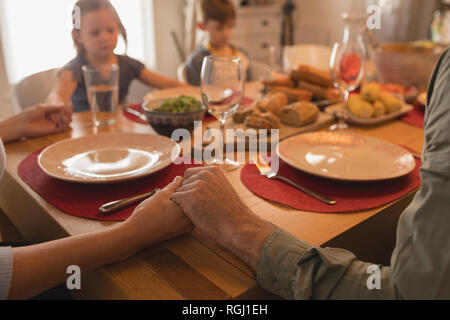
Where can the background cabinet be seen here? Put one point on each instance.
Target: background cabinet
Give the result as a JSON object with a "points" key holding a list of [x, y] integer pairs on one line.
{"points": [[258, 28]]}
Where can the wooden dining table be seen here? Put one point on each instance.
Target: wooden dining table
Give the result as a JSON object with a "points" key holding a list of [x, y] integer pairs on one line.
{"points": [[191, 266]]}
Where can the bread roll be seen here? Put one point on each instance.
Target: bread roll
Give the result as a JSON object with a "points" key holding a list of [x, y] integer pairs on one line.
{"points": [[313, 75], [273, 101], [263, 120], [318, 91], [299, 114], [331, 94], [243, 113], [282, 81], [293, 94]]}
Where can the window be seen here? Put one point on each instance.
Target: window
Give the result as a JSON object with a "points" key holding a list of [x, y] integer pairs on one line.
{"points": [[36, 34]]}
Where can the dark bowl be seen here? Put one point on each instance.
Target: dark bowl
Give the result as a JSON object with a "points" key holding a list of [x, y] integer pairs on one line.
{"points": [[165, 123]]}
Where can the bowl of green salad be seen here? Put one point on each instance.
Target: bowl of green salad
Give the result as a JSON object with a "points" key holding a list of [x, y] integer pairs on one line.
{"points": [[167, 115]]}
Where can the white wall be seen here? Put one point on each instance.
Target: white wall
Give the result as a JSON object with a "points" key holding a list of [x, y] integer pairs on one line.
{"points": [[319, 21], [168, 16], [8, 104]]}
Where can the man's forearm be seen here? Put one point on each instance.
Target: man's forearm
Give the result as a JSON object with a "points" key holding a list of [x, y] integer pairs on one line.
{"points": [[249, 238]]}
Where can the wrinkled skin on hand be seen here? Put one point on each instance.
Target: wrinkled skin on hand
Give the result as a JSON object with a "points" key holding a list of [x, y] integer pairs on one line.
{"points": [[211, 203]]}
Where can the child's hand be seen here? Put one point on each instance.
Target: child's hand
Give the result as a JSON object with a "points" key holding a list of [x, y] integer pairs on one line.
{"points": [[158, 218], [42, 120], [62, 118]]}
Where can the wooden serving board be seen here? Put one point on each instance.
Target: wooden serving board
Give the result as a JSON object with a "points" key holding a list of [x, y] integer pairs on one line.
{"points": [[270, 141], [252, 90]]}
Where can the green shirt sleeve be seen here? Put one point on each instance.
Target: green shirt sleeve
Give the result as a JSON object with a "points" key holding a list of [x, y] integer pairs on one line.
{"points": [[294, 269], [420, 264]]}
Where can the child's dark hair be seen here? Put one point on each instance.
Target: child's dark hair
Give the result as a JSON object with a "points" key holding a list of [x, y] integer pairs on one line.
{"points": [[83, 7], [220, 10]]}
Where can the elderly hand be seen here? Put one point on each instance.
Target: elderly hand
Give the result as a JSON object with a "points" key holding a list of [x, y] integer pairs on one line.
{"points": [[211, 203], [158, 218]]}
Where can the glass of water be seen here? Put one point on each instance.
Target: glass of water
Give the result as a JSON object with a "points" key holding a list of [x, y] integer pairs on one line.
{"points": [[102, 87], [222, 88]]}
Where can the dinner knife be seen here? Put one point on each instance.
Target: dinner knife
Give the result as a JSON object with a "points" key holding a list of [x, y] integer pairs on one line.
{"points": [[136, 113], [122, 203]]}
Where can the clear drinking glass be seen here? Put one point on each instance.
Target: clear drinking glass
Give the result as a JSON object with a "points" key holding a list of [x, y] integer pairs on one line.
{"points": [[102, 88], [347, 63], [276, 59], [222, 87]]}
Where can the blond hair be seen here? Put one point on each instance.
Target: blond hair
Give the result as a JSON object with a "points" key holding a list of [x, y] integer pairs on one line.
{"points": [[83, 7]]}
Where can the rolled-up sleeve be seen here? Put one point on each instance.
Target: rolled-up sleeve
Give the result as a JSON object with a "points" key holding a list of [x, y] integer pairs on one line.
{"points": [[294, 269], [6, 265]]}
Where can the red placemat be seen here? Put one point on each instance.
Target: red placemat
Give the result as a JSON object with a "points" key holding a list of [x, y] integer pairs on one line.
{"points": [[416, 116], [83, 200], [350, 196], [138, 107], [132, 117]]}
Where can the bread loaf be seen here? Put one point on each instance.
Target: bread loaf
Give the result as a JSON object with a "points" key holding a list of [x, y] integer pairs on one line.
{"points": [[273, 101], [282, 81], [293, 94], [262, 120], [299, 114], [331, 94], [313, 75], [243, 113]]}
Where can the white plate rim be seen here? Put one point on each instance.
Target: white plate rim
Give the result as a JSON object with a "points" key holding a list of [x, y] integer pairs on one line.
{"points": [[152, 170], [290, 163]]}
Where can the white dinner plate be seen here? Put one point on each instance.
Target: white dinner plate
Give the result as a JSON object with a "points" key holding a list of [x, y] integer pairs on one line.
{"points": [[371, 121], [108, 157], [345, 156]]}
